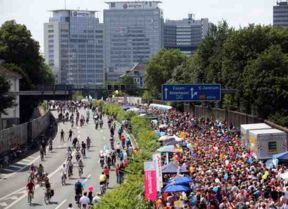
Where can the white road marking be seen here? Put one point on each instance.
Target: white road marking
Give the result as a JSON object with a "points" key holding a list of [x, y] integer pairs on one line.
{"points": [[3, 204], [25, 160], [61, 204], [22, 168], [8, 170], [13, 198], [5, 197], [16, 166]]}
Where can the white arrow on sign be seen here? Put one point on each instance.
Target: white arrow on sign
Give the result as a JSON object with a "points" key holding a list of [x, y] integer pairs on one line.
{"points": [[166, 93], [193, 93]]}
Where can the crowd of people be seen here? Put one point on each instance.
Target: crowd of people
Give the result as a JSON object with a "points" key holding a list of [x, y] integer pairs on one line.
{"points": [[224, 173]]}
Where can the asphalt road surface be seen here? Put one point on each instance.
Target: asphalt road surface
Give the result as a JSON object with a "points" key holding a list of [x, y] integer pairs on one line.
{"points": [[13, 180]]}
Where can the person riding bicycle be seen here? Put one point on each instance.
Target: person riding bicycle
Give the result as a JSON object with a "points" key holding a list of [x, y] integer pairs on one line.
{"points": [[78, 155], [70, 135], [40, 171], [88, 142], [80, 164], [48, 188], [70, 168], [78, 146], [62, 135], [78, 190], [74, 142], [102, 158], [83, 145], [64, 171], [30, 187], [102, 181], [42, 153]]}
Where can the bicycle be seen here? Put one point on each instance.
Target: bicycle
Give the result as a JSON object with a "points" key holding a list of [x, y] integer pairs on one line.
{"points": [[80, 172], [63, 179], [47, 197], [30, 197]]}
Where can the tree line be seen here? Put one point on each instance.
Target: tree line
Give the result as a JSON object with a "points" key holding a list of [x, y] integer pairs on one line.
{"points": [[21, 54], [252, 60]]}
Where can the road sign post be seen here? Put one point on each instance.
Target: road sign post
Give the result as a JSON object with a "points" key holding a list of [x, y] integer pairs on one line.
{"points": [[191, 92]]}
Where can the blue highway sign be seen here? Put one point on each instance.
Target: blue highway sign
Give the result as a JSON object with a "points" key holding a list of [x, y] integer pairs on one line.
{"points": [[191, 92]]}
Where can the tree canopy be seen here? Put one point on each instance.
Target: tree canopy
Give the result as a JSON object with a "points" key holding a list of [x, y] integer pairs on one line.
{"points": [[251, 60], [6, 100], [19, 48]]}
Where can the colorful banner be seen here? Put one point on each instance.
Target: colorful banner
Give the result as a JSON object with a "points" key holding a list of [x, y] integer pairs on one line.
{"points": [[150, 181], [158, 168]]}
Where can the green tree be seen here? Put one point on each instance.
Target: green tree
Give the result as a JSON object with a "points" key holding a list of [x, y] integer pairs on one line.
{"points": [[266, 82], [160, 68], [18, 47], [126, 80], [6, 100]]}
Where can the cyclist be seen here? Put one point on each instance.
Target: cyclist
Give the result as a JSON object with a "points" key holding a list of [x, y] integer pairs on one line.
{"points": [[74, 142], [70, 168], [48, 189], [102, 158], [40, 172], [30, 187], [78, 191], [62, 135], [80, 165], [78, 155], [88, 142], [50, 142], [42, 153], [64, 173], [102, 180], [69, 153], [83, 150], [70, 135]]}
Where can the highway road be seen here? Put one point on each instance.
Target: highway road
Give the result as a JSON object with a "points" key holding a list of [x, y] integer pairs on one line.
{"points": [[13, 193]]}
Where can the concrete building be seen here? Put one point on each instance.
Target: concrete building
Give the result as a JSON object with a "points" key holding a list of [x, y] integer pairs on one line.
{"points": [[73, 44], [280, 14], [133, 33], [13, 113], [137, 73], [185, 34]]}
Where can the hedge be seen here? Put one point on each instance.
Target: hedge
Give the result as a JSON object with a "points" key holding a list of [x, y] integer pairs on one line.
{"points": [[130, 194]]}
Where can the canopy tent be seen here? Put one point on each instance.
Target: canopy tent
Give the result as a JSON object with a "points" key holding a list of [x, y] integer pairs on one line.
{"points": [[134, 109], [179, 180], [176, 188], [163, 126], [172, 168], [159, 133], [169, 148], [281, 156], [165, 138], [284, 176]]}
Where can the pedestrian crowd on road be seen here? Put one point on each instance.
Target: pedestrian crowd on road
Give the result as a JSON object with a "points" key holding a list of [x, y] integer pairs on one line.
{"points": [[224, 173]]}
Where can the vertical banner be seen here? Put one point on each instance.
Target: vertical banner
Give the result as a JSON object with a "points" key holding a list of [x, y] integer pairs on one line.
{"points": [[158, 168], [150, 181]]}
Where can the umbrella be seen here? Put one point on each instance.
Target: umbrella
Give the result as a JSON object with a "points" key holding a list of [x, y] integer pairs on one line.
{"points": [[169, 148], [281, 156], [163, 126], [284, 176], [176, 188], [172, 168], [165, 138], [180, 180]]}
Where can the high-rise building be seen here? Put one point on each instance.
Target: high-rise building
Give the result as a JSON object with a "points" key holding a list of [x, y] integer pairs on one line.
{"points": [[133, 33], [185, 34], [280, 14], [73, 44]]}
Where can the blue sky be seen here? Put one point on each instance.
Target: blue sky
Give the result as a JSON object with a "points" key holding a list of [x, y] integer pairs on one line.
{"points": [[33, 13]]}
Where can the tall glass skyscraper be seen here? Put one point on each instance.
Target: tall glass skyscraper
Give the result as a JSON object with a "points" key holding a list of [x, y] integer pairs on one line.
{"points": [[73, 44], [133, 33], [185, 34], [280, 14]]}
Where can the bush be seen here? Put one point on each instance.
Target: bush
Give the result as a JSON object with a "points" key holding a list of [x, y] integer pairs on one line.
{"points": [[130, 194]]}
